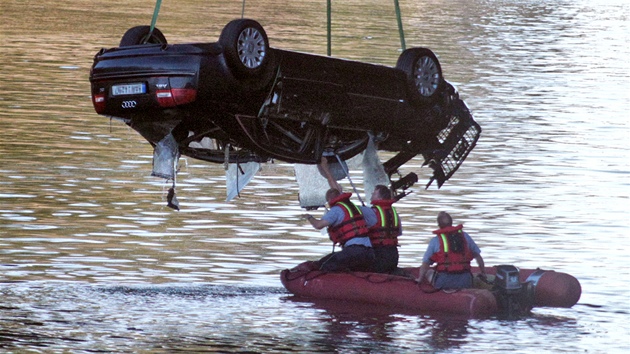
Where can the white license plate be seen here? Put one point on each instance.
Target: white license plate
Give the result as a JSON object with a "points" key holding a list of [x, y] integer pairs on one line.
{"points": [[129, 89]]}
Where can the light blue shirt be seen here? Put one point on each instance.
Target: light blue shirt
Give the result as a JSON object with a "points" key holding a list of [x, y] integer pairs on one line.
{"points": [[369, 215]]}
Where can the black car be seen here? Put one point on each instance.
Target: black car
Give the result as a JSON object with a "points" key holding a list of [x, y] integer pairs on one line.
{"points": [[240, 100]]}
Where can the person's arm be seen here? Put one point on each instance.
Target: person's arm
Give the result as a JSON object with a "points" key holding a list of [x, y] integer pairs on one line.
{"points": [[316, 223], [480, 263], [424, 268], [432, 247], [369, 215], [325, 171], [476, 254]]}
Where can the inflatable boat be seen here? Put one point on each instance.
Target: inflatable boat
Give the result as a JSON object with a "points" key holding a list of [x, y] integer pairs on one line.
{"points": [[507, 291]]}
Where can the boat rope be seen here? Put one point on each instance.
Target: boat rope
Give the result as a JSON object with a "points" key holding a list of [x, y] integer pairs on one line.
{"points": [[375, 278], [425, 288]]}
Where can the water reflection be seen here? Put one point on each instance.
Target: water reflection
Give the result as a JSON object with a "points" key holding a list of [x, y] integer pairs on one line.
{"points": [[349, 325], [447, 334]]}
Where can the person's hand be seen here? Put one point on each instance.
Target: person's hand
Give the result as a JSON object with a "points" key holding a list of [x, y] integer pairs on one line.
{"points": [[307, 216], [483, 277]]}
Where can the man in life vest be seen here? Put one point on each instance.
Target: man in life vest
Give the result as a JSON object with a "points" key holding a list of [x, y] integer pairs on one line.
{"points": [[451, 251], [347, 227], [384, 230]]}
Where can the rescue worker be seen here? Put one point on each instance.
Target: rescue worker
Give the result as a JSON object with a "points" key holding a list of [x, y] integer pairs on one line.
{"points": [[451, 250], [347, 227], [385, 230]]}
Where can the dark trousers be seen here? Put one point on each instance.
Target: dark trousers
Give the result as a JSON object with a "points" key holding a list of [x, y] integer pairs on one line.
{"points": [[386, 259], [353, 258]]}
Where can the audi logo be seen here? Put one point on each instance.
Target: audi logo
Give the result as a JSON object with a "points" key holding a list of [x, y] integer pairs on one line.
{"points": [[128, 104]]}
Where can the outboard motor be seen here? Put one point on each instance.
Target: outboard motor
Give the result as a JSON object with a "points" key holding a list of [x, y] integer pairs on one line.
{"points": [[513, 297]]}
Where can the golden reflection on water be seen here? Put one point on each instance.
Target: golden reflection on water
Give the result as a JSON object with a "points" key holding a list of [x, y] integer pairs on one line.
{"points": [[545, 187], [77, 186]]}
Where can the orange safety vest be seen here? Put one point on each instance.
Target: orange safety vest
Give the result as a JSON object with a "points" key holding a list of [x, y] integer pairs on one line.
{"points": [[387, 228], [353, 224], [454, 255]]}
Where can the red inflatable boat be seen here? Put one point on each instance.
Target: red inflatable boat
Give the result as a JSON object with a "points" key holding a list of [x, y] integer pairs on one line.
{"points": [[509, 292]]}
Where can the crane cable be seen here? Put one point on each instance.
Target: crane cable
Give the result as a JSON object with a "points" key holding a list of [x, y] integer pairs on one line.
{"points": [[156, 11], [401, 32], [400, 26]]}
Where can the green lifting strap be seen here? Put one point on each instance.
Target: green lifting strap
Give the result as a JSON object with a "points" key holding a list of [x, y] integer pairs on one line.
{"points": [[400, 26], [158, 3], [329, 17], [329, 20]]}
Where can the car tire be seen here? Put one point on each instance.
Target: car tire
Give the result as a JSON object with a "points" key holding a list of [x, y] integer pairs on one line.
{"points": [[424, 74], [140, 35], [246, 47], [353, 148]]}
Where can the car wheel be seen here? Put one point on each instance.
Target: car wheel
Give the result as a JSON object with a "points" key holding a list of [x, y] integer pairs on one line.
{"points": [[423, 72], [353, 148], [141, 35], [245, 46]]}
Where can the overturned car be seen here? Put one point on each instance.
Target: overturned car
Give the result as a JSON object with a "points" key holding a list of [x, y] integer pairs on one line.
{"points": [[239, 100]]}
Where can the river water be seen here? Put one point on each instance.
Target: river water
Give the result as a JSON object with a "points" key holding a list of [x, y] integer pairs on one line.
{"points": [[92, 260]]}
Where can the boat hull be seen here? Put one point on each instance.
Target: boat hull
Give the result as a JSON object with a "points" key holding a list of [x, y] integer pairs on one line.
{"points": [[544, 288]]}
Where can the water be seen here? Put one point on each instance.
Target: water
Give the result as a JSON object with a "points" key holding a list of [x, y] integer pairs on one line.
{"points": [[91, 259]]}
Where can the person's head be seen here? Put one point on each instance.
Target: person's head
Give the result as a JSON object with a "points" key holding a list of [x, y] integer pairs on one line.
{"points": [[332, 193], [444, 219], [381, 192]]}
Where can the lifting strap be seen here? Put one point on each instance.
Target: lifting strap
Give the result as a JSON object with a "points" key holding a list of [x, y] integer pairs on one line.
{"points": [[329, 19], [156, 11]]}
